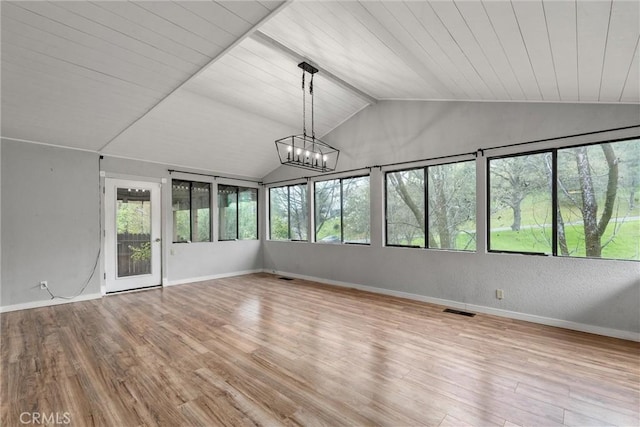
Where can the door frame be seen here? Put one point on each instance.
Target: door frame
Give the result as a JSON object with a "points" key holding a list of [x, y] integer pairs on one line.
{"points": [[157, 229]]}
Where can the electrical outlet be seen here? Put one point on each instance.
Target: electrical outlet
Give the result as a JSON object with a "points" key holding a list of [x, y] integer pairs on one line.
{"points": [[43, 284], [500, 293]]}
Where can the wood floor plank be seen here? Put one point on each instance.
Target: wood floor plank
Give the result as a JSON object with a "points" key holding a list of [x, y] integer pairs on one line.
{"points": [[255, 350]]}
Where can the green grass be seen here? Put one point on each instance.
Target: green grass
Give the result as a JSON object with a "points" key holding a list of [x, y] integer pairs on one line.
{"points": [[525, 240], [535, 233], [626, 244], [331, 227], [535, 238], [536, 209], [463, 242]]}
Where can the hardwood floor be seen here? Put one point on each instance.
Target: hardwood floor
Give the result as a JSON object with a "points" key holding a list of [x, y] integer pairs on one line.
{"points": [[258, 350]]}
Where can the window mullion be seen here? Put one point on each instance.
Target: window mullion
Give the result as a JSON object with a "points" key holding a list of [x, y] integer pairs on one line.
{"points": [[554, 202], [315, 214], [488, 205], [237, 213], [341, 211], [289, 212], [191, 211], [386, 218], [426, 206]]}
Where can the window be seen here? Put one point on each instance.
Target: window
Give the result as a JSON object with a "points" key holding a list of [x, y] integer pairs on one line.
{"points": [[598, 187], [579, 201], [452, 206], [227, 212], [279, 213], [237, 213], [342, 211], [248, 214], [191, 203], [328, 204], [405, 208], [449, 218], [288, 212], [356, 210], [520, 203]]}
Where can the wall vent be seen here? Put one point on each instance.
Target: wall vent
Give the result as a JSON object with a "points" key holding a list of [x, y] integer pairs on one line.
{"points": [[461, 313]]}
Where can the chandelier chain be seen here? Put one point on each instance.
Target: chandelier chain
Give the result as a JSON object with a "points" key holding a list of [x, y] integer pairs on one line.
{"points": [[313, 128], [304, 102]]}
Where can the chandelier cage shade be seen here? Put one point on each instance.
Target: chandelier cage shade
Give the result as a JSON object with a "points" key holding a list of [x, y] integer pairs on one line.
{"points": [[305, 150]]}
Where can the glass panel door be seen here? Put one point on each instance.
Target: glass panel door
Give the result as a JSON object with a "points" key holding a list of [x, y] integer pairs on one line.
{"points": [[133, 219], [132, 235]]}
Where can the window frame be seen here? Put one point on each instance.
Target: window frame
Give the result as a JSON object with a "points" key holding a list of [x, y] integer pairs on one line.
{"points": [[554, 212], [191, 213], [270, 237], [386, 207], [288, 187], [238, 189], [425, 189], [554, 197], [342, 242]]}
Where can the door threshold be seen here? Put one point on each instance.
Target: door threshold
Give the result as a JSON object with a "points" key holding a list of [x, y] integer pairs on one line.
{"points": [[126, 291]]}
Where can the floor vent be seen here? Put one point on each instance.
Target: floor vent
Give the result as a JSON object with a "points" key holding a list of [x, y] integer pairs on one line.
{"points": [[461, 313], [285, 278]]}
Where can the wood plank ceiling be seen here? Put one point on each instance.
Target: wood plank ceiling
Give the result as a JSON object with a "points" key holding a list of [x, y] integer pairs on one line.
{"points": [[211, 85]]}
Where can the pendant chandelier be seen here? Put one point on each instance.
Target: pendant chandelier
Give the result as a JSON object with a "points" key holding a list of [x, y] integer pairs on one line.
{"points": [[306, 151]]}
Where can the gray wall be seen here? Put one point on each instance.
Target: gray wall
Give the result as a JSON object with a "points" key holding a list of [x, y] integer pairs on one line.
{"points": [[50, 221], [0, 222], [602, 293]]}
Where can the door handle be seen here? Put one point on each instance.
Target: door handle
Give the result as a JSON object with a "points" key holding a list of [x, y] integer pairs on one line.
{"points": [[158, 239]]}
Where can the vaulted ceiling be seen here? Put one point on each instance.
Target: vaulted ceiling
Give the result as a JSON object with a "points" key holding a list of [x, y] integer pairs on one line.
{"points": [[211, 85]]}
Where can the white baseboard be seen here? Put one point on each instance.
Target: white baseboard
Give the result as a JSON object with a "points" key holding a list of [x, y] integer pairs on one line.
{"points": [[46, 303], [166, 282], [566, 324], [211, 277]]}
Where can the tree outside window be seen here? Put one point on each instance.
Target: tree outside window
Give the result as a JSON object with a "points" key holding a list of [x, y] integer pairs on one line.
{"points": [[191, 206], [237, 213], [520, 204], [595, 197], [449, 217], [342, 211], [598, 209], [288, 212]]}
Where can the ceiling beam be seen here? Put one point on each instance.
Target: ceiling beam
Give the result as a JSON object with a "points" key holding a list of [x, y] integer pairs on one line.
{"points": [[263, 38], [247, 34]]}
